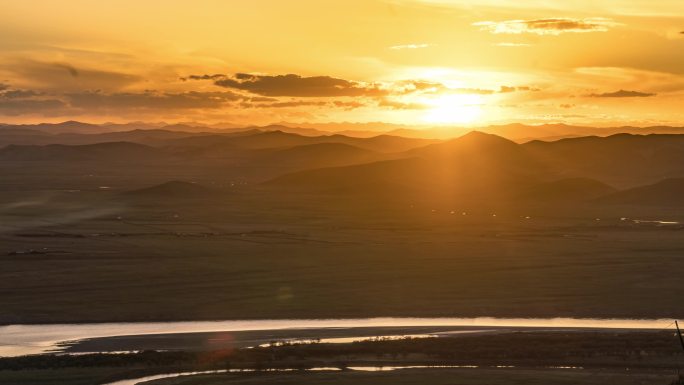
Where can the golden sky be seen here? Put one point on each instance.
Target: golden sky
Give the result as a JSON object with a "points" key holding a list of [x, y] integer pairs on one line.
{"points": [[427, 62]]}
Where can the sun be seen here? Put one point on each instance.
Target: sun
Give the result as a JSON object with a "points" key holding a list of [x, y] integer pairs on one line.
{"points": [[461, 108]]}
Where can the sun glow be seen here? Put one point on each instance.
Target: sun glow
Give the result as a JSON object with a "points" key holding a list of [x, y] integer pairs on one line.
{"points": [[465, 108]]}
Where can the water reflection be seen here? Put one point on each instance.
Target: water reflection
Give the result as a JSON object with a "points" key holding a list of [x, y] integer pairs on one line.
{"points": [[325, 369], [35, 339]]}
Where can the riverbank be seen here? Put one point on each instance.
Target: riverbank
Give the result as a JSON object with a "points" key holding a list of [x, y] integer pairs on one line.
{"points": [[447, 376], [36, 339], [575, 351]]}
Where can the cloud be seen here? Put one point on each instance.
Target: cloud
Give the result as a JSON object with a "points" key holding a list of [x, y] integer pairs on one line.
{"points": [[17, 94], [348, 105], [19, 102], [397, 105], [293, 85], [555, 26], [344, 104], [15, 107], [410, 46], [640, 8], [3, 86], [61, 77], [507, 89], [151, 100], [203, 77], [285, 104], [513, 45], [501, 90], [69, 68], [622, 94]]}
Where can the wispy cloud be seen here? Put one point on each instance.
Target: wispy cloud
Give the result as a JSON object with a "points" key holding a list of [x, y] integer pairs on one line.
{"points": [[554, 26], [641, 8], [410, 46], [513, 45]]}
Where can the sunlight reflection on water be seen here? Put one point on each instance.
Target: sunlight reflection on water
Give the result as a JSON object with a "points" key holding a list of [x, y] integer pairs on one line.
{"points": [[34, 339]]}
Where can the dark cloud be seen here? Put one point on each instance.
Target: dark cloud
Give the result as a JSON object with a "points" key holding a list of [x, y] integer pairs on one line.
{"points": [[552, 26], [69, 68], [203, 77], [18, 102], [293, 85], [151, 100], [14, 107], [328, 86], [3, 86], [622, 94], [62, 77]]}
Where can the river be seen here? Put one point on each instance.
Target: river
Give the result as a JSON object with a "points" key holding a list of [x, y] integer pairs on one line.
{"points": [[16, 340]]}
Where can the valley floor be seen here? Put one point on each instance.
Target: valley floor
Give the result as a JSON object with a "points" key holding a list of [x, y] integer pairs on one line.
{"points": [[253, 258]]}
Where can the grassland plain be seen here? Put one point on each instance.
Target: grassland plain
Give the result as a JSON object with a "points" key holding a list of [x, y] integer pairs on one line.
{"points": [[432, 377], [250, 257]]}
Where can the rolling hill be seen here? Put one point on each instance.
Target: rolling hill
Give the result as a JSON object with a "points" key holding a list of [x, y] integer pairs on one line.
{"points": [[475, 167], [668, 192], [110, 151], [622, 160], [567, 190], [317, 155]]}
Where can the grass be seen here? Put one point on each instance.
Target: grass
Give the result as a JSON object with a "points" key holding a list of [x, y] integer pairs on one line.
{"points": [[432, 377], [249, 257], [68, 376], [96, 376]]}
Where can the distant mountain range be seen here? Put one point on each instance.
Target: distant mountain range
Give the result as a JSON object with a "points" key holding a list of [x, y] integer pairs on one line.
{"points": [[517, 132], [478, 167]]}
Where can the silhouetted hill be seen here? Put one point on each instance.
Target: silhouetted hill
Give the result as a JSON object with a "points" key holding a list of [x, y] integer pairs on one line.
{"points": [[475, 167], [622, 160], [384, 143], [259, 140], [153, 137], [567, 190], [291, 130], [474, 143], [110, 151], [668, 192], [12, 135], [319, 155], [352, 179], [482, 153], [70, 126]]}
